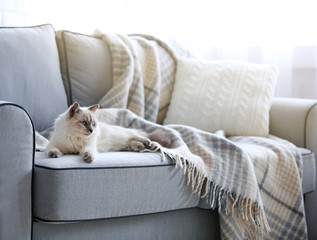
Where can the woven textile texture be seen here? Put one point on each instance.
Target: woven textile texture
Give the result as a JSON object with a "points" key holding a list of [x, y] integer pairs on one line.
{"points": [[253, 182]]}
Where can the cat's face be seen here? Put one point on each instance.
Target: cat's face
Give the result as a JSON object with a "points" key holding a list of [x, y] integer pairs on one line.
{"points": [[82, 121]]}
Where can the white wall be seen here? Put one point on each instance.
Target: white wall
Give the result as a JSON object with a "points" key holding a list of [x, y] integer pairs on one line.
{"points": [[281, 32], [196, 22], [13, 13]]}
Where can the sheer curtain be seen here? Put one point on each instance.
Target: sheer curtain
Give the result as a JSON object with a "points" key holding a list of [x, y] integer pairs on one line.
{"points": [[297, 65], [269, 32], [282, 32]]}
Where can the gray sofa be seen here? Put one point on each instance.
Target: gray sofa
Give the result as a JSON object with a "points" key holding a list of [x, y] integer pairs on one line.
{"points": [[128, 195]]}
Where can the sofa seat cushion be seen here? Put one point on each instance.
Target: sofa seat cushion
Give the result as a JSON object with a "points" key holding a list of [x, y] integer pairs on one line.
{"points": [[119, 184], [114, 185]]}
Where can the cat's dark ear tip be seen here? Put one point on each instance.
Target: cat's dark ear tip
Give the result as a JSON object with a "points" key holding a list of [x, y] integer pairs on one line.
{"points": [[94, 107], [73, 109]]}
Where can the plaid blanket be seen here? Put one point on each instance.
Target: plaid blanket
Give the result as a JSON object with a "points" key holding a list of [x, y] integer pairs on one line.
{"points": [[143, 71], [255, 183]]}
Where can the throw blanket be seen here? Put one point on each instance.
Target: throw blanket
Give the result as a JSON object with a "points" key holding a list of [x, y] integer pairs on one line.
{"points": [[253, 182], [143, 71]]}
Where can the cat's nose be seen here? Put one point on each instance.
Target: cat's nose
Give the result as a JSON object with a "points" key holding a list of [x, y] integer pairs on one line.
{"points": [[90, 130]]}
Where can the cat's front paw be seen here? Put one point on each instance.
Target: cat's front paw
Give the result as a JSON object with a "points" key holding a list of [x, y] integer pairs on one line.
{"points": [[88, 157], [54, 153]]}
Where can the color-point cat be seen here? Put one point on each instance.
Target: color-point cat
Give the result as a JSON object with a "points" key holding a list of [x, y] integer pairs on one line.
{"points": [[77, 131]]}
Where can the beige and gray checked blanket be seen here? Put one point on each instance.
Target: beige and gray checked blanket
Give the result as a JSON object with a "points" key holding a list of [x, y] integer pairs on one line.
{"points": [[254, 183]]}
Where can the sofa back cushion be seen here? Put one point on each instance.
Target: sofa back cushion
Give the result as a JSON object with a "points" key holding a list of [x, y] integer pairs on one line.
{"points": [[86, 67], [30, 72]]}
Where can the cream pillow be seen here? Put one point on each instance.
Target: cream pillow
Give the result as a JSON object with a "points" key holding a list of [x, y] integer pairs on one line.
{"points": [[229, 95]]}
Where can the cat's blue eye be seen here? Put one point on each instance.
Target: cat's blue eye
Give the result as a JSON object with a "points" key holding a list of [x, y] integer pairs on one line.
{"points": [[84, 123], [92, 123]]}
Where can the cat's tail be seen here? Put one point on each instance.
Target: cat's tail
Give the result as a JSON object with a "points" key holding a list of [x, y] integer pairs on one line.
{"points": [[164, 138]]}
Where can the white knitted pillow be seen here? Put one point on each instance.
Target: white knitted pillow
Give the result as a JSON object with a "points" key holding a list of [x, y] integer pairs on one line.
{"points": [[228, 95]]}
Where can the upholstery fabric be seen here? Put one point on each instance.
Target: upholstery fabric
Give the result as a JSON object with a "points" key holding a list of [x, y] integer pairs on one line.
{"points": [[16, 168], [309, 170], [86, 67], [228, 95], [311, 209], [115, 185], [30, 72], [299, 115], [47, 172], [186, 224]]}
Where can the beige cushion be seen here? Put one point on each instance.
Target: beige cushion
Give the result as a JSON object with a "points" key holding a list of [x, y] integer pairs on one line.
{"points": [[228, 95], [86, 67]]}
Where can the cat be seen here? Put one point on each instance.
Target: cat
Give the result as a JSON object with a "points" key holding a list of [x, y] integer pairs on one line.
{"points": [[77, 131]]}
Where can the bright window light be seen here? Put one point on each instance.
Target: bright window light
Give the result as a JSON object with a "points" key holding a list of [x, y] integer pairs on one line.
{"points": [[194, 23]]}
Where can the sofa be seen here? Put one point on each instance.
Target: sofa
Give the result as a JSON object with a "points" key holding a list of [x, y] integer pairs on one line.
{"points": [[127, 195]]}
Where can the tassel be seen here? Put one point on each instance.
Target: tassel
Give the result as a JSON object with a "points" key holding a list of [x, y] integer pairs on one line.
{"points": [[242, 206], [207, 186], [215, 195], [189, 172], [179, 161], [211, 195], [219, 200], [246, 207], [202, 180], [234, 203], [238, 206], [185, 165], [198, 182], [226, 206]]}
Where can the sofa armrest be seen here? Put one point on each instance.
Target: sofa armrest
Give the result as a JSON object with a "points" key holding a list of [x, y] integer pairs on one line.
{"points": [[295, 120], [16, 171]]}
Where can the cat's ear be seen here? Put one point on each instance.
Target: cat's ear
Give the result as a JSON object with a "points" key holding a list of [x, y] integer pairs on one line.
{"points": [[93, 108], [75, 108]]}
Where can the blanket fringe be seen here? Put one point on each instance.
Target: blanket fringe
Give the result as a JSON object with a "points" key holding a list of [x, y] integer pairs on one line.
{"points": [[227, 202]]}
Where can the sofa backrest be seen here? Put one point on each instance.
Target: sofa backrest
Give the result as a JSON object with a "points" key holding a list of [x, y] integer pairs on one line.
{"points": [[86, 67], [30, 72]]}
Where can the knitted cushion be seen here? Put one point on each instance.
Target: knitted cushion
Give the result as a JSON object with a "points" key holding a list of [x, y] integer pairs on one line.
{"points": [[228, 95]]}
